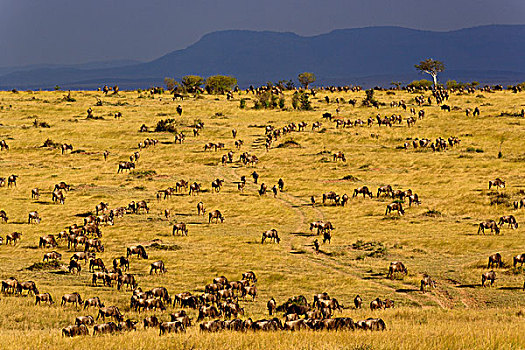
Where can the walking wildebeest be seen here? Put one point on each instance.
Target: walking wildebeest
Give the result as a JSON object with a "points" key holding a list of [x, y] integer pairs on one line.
{"points": [[138, 250], [396, 266], [125, 166], [43, 298], [488, 224], [11, 180], [74, 330], [363, 190], [181, 226], [495, 259], [215, 215], [488, 276], [496, 183]]}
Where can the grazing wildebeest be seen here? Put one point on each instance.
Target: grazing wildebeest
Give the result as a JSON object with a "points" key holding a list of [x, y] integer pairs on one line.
{"points": [[396, 266], [488, 276], [396, 206], [3, 145], [272, 235], [52, 256], [74, 265], [121, 262], [215, 215], [181, 226], [75, 330], [208, 311], [105, 328], [96, 263], [195, 188], [519, 204], [33, 217], [73, 298], [488, 224], [101, 207], [520, 258], [141, 205], [323, 227], [62, 186], [413, 199], [9, 285], [151, 321], [249, 276], [35, 194], [128, 280], [125, 166], [138, 250], [387, 190], [339, 155], [495, 259], [239, 143], [110, 311], [93, 302], [106, 155], [3, 216], [157, 266], [11, 180], [496, 183], [87, 320], [13, 237], [58, 197], [427, 282], [272, 306], [329, 196], [358, 302], [83, 256], [43, 298], [65, 147], [363, 190], [327, 236], [217, 184], [168, 327], [200, 208], [30, 286], [509, 219], [47, 241]]}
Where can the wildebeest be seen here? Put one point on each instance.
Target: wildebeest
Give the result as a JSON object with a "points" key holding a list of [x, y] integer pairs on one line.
{"points": [[195, 188], [496, 183], [396, 266], [125, 166], [519, 204], [168, 327], [181, 226], [30, 286], [488, 224], [105, 328], [363, 190], [52, 256], [358, 302], [427, 282], [13, 237], [395, 206], [488, 276], [339, 155], [128, 280], [47, 241], [373, 324], [74, 265], [58, 197], [65, 147], [200, 208], [508, 219], [35, 194], [11, 180], [249, 276], [138, 250], [3, 145], [217, 184], [272, 235], [3, 216], [87, 320], [520, 258], [73, 298], [215, 215], [110, 311], [44, 298], [495, 259], [75, 330], [272, 306], [93, 302], [151, 321], [387, 190], [62, 186], [157, 266], [33, 217], [208, 311], [83, 256], [121, 262]]}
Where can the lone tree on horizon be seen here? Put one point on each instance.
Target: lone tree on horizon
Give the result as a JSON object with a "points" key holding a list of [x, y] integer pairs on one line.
{"points": [[306, 79], [432, 67]]}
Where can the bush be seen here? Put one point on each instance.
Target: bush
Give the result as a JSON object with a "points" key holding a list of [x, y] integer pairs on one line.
{"points": [[242, 104], [50, 143], [219, 84], [166, 125]]}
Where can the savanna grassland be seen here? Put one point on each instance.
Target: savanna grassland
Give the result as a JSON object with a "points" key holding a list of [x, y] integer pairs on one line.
{"points": [[438, 237]]}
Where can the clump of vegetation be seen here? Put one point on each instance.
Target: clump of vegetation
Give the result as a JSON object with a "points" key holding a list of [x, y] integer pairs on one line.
{"points": [[369, 100], [38, 124], [289, 144], [301, 101], [498, 198], [474, 150], [161, 246], [266, 100], [140, 174], [242, 103], [220, 84], [433, 213], [48, 265], [50, 144], [374, 249], [166, 125], [350, 178]]}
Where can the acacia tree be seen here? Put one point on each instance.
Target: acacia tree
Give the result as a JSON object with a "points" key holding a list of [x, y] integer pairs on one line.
{"points": [[432, 67], [191, 82], [306, 79], [219, 84]]}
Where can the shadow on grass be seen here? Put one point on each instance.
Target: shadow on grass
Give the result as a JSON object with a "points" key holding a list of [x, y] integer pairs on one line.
{"points": [[468, 286], [303, 234], [510, 288], [44, 202], [407, 290]]}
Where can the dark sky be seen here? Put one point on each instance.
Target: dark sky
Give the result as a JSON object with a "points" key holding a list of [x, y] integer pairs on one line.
{"points": [[77, 31]]}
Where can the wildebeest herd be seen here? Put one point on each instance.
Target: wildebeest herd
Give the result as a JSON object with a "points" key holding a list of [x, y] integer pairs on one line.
{"points": [[221, 304]]}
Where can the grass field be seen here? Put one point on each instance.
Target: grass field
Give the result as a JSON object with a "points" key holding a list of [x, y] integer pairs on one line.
{"points": [[439, 237]]}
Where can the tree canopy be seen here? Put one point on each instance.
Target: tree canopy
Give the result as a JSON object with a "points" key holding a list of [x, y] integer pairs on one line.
{"points": [[219, 84], [306, 79], [191, 82], [432, 67]]}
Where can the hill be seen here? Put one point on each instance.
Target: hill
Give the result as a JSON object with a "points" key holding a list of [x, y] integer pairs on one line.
{"points": [[381, 54]]}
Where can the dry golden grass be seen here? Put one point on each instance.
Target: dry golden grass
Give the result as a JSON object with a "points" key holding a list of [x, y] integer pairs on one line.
{"points": [[458, 314]]}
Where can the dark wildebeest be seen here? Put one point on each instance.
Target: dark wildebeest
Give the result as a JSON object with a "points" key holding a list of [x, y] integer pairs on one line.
{"points": [[509, 219], [125, 166], [33, 217], [87, 320], [495, 259], [157, 266], [363, 190], [217, 184], [520, 258], [496, 183], [30, 286], [396, 206], [272, 306], [62, 186], [272, 235], [200, 208], [427, 282], [181, 226], [35, 194], [110, 311], [339, 155], [96, 263], [387, 190], [249, 276], [215, 215], [358, 302], [65, 147], [488, 276], [195, 188], [74, 265], [151, 321], [128, 280], [52, 256], [47, 241], [44, 298], [105, 328], [138, 250], [168, 327], [73, 298], [3, 216], [208, 311], [11, 180], [93, 302], [396, 266], [488, 224], [13, 237], [121, 262], [74, 330]]}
